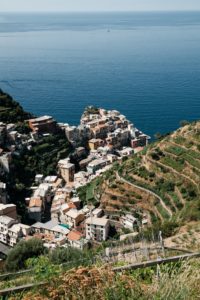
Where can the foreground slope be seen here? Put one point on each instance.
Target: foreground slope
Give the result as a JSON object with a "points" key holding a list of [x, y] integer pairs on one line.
{"points": [[90, 283]]}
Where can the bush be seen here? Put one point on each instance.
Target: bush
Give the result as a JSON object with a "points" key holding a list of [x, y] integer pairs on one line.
{"points": [[169, 228], [169, 186], [42, 268], [21, 252], [63, 255], [155, 156]]}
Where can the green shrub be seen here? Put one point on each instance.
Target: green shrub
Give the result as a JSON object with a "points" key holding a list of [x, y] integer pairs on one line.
{"points": [[21, 252], [42, 268]]}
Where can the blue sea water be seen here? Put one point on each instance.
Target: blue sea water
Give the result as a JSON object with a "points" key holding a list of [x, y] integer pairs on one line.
{"points": [[147, 65]]}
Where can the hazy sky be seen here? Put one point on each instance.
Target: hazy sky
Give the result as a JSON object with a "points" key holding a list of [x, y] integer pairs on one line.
{"points": [[97, 5]]}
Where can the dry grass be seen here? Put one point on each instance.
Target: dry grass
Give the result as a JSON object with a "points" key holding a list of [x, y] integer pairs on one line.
{"points": [[172, 282]]}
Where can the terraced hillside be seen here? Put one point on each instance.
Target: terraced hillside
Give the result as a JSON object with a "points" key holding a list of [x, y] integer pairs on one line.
{"points": [[162, 182]]}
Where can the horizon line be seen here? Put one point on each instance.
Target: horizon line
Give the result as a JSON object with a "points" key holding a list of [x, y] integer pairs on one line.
{"points": [[99, 11]]}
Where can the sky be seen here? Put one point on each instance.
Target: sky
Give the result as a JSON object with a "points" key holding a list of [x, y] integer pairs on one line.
{"points": [[98, 5]]}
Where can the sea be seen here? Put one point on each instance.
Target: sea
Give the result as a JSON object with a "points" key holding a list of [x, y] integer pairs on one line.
{"points": [[144, 64]]}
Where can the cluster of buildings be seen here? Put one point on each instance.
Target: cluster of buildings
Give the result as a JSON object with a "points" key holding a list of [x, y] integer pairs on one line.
{"points": [[75, 227], [58, 215], [107, 136], [69, 222], [105, 128]]}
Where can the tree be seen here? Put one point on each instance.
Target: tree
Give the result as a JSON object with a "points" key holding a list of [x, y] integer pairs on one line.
{"points": [[21, 252], [73, 256]]}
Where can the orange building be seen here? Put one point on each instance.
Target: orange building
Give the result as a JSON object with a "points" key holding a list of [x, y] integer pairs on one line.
{"points": [[45, 124]]}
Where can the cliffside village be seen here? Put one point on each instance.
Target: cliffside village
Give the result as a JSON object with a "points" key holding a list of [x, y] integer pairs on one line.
{"points": [[103, 137]]}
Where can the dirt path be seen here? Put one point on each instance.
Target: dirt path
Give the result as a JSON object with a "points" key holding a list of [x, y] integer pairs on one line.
{"points": [[171, 201], [147, 191], [180, 195], [174, 171]]}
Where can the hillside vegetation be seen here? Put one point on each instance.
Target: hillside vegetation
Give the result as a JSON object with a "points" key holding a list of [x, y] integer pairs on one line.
{"points": [[11, 111]]}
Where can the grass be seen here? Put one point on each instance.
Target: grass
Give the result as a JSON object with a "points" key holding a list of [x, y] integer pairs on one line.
{"points": [[176, 199], [162, 211], [180, 140], [195, 163], [168, 203], [176, 150], [175, 164], [195, 154]]}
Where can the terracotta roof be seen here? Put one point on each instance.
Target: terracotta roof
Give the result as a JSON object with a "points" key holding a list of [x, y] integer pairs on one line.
{"points": [[74, 236], [35, 202], [71, 205]]}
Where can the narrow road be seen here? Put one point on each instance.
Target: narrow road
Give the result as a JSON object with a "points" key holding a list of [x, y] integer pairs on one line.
{"points": [[147, 191]]}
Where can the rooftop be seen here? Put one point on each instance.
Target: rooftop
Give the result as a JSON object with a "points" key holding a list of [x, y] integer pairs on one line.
{"points": [[4, 206], [73, 213], [61, 229], [35, 202], [97, 221], [43, 118], [48, 225], [6, 220], [65, 163], [97, 210], [74, 236], [17, 227], [50, 179], [97, 162]]}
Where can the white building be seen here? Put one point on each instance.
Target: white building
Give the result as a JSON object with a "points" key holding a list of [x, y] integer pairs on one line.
{"points": [[5, 223], [97, 212], [17, 232], [39, 178], [129, 221], [74, 217], [127, 151], [96, 164], [97, 228], [51, 227]]}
